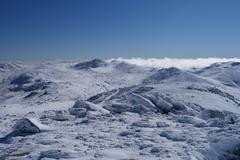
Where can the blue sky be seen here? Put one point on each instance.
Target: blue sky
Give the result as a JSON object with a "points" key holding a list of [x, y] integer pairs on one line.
{"points": [[69, 29]]}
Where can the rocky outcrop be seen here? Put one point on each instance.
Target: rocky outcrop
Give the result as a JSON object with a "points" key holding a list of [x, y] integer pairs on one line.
{"points": [[95, 63]]}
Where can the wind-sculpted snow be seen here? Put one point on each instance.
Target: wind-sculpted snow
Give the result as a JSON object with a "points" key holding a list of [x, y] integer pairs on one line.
{"points": [[181, 63], [102, 110], [228, 73], [8, 66]]}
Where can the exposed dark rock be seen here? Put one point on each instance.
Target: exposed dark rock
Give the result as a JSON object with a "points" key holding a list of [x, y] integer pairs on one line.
{"points": [[95, 63], [142, 124], [162, 124], [209, 113], [31, 94], [142, 89], [26, 127], [179, 108], [78, 112], [23, 127], [125, 133], [26, 83], [162, 74], [235, 64], [155, 150], [80, 109], [21, 79], [101, 96], [126, 67], [58, 115]]}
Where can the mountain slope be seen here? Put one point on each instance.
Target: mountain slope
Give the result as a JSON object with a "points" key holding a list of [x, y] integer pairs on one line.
{"points": [[228, 73], [114, 110]]}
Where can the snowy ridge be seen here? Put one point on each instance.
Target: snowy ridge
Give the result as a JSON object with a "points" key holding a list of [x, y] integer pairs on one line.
{"points": [[120, 109], [181, 63]]}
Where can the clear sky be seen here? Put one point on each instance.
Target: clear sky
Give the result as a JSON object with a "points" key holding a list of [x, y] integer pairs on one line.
{"points": [[69, 29]]}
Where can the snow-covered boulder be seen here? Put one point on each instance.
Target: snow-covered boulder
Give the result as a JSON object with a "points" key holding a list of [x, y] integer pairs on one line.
{"points": [[179, 108], [126, 133], [120, 108], [174, 135], [57, 115], [81, 104], [78, 112], [142, 99], [209, 113], [191, 120], [25, 127], [162, 124], [232, 118], [163, 105], [79, 109], [135, 99], [224, 144], [155, 151], [216, 122], [82, 108]]}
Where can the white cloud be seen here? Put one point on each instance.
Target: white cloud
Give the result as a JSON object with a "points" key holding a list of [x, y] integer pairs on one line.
{"points": [[181, 63]]}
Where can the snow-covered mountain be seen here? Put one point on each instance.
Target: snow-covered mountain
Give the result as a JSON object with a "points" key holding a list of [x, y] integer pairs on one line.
{"points": [[112, 109], [228, 73]]}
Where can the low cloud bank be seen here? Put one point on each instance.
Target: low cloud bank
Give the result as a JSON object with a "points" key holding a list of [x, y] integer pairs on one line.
{"points": [[181, 63]]}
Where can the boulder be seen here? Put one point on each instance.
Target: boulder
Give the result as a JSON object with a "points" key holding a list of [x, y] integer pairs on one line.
{"points": [[155, 151], [173, 135], [179, 108], [79, 109], [57, 115], [164, 105], [25, 127], [162, 124], [125, 133], [78, 112], [209, 114]]}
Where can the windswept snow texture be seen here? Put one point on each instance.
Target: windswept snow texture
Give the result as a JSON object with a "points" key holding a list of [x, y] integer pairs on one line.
{"points": [[181, 63], [120, 109]]}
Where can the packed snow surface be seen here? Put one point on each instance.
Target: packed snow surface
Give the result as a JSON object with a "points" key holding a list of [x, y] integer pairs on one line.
{"points": [[131, 109]]}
